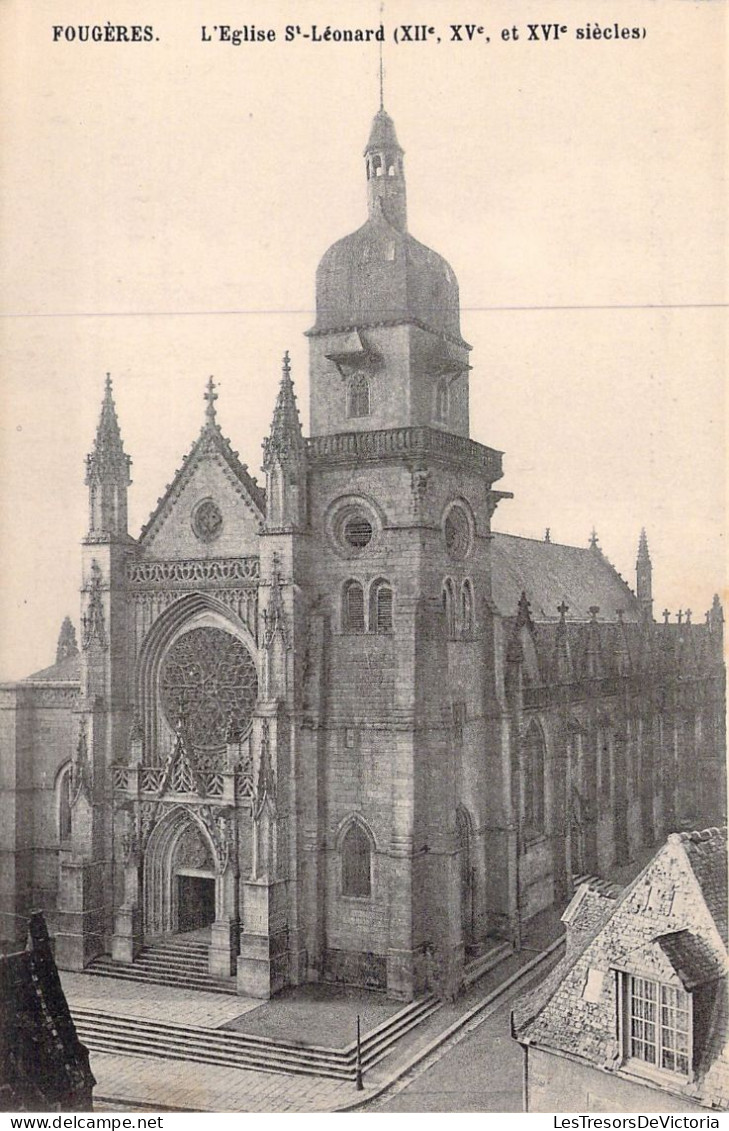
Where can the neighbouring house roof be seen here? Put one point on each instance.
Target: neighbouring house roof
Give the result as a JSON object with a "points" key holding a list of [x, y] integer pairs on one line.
{"points": [[668, 924], [43, 1065], [550, 573]]}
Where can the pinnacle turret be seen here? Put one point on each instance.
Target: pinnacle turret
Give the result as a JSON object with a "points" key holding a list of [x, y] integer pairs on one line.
{"points": [[108, 461], [644, 577], [285, 442], [284, 459], [67, 644], [107, 473]]}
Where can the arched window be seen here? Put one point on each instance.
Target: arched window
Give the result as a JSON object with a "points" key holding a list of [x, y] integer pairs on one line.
{"points": [[449, 608], [441, 401], [359, 396], [381, 606], [467, 608], [63, 799], [356, 862], [533, 792], [353, 619]]}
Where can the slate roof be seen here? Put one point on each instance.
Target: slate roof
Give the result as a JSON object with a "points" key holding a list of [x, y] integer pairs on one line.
{"points": [[43, 1065], [68, 670], [668, 921], [550, 573], [693, 959]]}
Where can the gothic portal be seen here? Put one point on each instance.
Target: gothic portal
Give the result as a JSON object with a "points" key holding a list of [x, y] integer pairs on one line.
{"points": [[339, 726]]}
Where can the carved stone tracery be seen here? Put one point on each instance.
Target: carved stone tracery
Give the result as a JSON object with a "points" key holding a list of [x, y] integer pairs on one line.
{"points": [[209, 679]]}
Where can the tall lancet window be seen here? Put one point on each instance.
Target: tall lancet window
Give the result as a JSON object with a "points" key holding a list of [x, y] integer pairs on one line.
{"points": [[381, 607], [353, 607], [449, 608], [533, 780], [63, 797], [441, 401], [359, 396], [356, 862], [467, 608]]}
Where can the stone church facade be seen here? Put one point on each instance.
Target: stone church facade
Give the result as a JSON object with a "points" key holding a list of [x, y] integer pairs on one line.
{"points": [[339, 721]]}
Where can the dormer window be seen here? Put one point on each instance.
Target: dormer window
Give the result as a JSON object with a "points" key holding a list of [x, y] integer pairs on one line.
{"points": [[657, 1025]]}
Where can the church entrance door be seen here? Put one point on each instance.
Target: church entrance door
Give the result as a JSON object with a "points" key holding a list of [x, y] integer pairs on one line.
{"points": [[180, 884], [195, 901]]}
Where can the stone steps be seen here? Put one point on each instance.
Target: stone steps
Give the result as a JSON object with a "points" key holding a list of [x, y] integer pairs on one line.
{"points": [[104, 1032], [169, 963], [107, 968]]}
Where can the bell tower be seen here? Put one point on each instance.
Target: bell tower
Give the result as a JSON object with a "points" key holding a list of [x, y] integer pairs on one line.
{"points": [[400, 501], [386, 349]]}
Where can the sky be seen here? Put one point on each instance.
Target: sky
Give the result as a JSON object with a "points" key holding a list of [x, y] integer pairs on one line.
{"points": [[165, 205]]}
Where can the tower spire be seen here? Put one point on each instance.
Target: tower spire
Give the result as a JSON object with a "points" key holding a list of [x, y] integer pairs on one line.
{"points": [[107, 472]]}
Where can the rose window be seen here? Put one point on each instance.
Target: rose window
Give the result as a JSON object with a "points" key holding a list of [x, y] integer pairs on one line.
{"points": [[209, 680]]}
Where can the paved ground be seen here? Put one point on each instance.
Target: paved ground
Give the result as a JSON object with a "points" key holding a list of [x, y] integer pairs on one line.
{"points": [[180, 1085], [443, 1081], [317, 1015], [157, 1003]]}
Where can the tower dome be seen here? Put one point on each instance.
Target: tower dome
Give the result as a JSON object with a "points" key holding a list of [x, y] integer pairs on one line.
{"points": [[380, 274]]}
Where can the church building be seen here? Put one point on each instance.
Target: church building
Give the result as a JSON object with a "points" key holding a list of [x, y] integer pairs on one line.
{"points": [[337, 726]]}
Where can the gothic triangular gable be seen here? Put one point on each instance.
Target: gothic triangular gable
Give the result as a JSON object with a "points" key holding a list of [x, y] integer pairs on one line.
{"points": [[212, 506]]}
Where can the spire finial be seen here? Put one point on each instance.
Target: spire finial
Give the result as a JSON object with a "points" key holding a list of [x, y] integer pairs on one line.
{"points": [[382, 81], [286, 370], [108, 386], [594, 545], [210, 396]]}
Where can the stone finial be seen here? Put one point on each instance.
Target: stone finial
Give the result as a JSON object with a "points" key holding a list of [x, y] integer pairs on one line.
{"points": [[594, 544], [210, 396], [593, 611], [563, 608], [547, 537], [666, 615]]}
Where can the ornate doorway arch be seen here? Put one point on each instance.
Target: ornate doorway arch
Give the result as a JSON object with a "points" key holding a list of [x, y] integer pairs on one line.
{"points": [[179, 845]]}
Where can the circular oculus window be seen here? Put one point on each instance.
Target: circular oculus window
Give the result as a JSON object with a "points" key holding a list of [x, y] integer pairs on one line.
{"points": [[457, 533], [357, 532], [207, 520]]}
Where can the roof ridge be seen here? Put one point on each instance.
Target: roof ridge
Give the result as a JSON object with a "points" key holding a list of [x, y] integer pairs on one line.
{"points": [[718, 832]]}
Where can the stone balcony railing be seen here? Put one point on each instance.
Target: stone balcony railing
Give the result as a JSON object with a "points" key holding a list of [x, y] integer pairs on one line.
{"points": [[397, 443]]}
